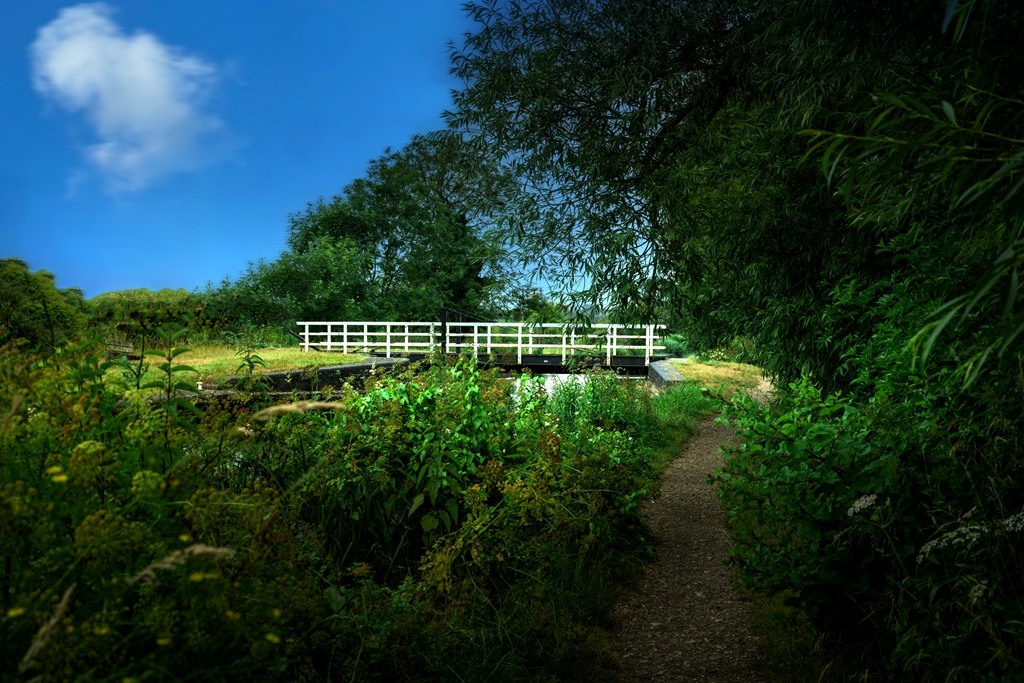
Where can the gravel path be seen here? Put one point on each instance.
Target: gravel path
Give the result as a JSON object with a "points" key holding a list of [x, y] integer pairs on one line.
{"points": [[684, 621]]}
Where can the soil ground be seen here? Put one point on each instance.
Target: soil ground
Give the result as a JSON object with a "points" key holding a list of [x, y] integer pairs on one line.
{"points": [[684, 621]]}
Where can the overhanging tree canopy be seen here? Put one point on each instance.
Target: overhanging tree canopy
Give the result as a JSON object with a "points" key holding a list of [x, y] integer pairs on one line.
{"points": [[668, 149]]}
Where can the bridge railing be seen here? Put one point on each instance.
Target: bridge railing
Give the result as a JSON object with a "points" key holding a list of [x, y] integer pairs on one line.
{"points": [[556, 339], [503, 339], [371, 337]]}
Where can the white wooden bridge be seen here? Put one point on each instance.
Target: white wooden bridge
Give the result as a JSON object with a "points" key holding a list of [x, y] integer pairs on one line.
{"points": [[522, 344]]}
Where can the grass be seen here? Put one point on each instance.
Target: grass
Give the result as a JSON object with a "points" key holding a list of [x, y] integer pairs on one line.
{"points": [[791, 650], [715, 375], [216, 361]]}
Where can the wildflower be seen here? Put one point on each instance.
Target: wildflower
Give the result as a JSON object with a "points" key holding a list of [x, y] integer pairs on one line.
{"points": [[862, 503], [977, 591], [1015, 522], [964, 536], [15, 612], [272, 638]]}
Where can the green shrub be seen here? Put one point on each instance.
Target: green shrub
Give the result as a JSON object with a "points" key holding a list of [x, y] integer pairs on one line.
{"points": [[438, 521], [894, 523]]}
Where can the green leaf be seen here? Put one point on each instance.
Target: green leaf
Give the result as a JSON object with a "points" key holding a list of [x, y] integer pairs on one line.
{"points": [[950, 114], [429, 523], [416, 503]]}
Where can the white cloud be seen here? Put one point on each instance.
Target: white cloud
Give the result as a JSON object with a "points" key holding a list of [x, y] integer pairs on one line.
{"points": [[145, 101]]}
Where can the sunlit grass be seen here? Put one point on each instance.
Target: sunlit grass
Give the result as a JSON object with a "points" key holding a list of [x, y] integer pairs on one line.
{"points": [[214, 361], [715, 375]]}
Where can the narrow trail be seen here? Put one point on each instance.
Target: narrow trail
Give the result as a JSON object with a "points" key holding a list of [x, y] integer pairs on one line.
{"points": [[684, 621]]}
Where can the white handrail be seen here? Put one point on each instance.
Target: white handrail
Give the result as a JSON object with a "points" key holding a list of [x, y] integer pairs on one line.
{"points": [[425, 337]]}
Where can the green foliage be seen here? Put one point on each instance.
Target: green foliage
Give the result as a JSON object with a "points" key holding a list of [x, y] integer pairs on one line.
{"points": [[891, 523], [839, 184], [328, 280], [438, 521], [133, 315], [33, 309], [399, 244], [676, 345]]}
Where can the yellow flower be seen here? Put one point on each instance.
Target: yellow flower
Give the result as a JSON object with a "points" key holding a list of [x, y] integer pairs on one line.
{"points": [[15, 612], [59, 478], [184, 538], [54, 469], [272, 638], [277, 613], [163, 641]]}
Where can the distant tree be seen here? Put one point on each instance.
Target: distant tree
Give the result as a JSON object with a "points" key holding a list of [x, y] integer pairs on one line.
{"points": [[134, 314], [421, 217], [328, 279], [33, 309], [529, 304]]}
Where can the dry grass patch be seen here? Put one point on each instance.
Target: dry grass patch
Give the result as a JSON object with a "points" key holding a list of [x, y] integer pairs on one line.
{"points": [[715, 375]]}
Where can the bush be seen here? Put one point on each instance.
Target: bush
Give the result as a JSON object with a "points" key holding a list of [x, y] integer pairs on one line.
{"points": [[436, 521], [894, 523]]}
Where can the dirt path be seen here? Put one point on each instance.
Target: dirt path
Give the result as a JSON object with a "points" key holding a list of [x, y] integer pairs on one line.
{"points": [[684, 621]]}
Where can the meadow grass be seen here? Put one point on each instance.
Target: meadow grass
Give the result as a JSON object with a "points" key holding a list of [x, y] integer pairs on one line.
{"points": [[720, 375], [213, 362]]}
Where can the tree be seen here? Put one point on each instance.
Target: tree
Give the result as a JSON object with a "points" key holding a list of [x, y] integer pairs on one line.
{"points": [[33, 309], [665, 148], [421, 220], [328, 279], [839, 180]]}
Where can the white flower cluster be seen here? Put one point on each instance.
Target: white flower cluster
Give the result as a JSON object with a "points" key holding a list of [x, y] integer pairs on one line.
{"points": [[977, 591], [965, 536], [861, 504], [1015, 522]]}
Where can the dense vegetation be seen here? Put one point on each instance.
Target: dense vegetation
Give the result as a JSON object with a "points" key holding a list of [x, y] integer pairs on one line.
{"points": [[837, 182], [444, 521], [833, 187]]}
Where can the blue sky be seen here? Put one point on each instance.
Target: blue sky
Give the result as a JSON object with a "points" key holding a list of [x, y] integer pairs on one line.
{"points": [[160, 144]]}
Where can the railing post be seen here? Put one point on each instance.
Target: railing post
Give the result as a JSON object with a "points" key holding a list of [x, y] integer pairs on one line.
{"points": [[519, 343], [305, 337], [444, 330], [610, 341], [407, 337]]}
